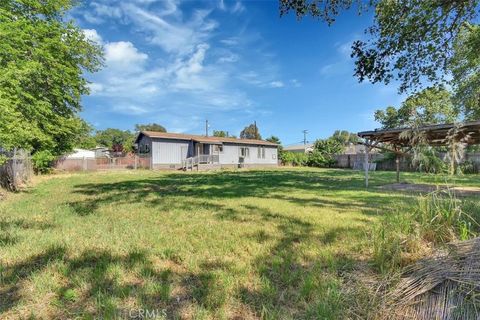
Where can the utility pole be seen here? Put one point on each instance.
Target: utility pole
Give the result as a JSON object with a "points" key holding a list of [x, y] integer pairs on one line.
{"points": [[305, 137], [256, 130], [206, 128]]}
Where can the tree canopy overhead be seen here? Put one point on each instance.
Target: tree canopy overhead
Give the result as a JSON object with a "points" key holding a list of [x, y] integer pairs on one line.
{"points": [[430, 106], [42, 62], [410, 41]]}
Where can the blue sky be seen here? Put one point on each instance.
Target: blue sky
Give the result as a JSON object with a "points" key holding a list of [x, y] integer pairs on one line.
{"points": [[231, 62]]}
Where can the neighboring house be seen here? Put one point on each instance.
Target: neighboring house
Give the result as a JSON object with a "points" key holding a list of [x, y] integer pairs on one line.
{"points": [[102, 152], [305, 148], [80, 154], [357, 149], [175, 150]]}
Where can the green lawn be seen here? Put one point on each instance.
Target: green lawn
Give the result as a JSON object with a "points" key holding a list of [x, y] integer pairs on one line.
{"points": [[246, 244]]}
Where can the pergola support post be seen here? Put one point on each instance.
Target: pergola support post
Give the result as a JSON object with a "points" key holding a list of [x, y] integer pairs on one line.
{"points": [[397, 163], [366, 165]]}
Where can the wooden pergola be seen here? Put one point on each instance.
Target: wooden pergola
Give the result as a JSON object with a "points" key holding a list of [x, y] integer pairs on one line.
{"points": [[435, 135]]}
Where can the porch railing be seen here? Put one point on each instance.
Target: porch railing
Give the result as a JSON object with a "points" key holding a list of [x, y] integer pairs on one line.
{"points": [[189, 163]]}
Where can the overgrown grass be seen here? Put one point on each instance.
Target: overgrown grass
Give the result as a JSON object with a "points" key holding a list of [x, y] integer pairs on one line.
{"points": [[435, 219], [276, 244]]}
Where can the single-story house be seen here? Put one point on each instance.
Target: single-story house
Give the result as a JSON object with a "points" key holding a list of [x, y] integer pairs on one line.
{"points": [[80, 154], [299, 148], [102, 152], [176, 151]]}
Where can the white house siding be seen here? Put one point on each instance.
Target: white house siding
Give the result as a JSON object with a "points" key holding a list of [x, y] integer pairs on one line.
{"points": [[169, 151], [231, 154], [270, 156], [81, 153]]}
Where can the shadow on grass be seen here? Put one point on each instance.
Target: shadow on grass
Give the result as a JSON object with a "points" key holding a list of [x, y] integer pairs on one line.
{"points": [[101, 285], [292, 282], [187, 191], [10, 227]]}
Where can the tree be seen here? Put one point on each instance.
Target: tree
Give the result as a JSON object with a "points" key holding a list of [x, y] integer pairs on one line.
{"points": [[220, 133], [344, 137], [43, 58], [150, 127], [465, 66], [410, 41], [115, 139], [250, 132], [274, 139], [430, 106], [85, 138], [324, 152]]}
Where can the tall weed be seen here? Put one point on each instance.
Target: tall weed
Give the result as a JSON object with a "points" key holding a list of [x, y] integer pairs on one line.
{"points": [[436, 219]]}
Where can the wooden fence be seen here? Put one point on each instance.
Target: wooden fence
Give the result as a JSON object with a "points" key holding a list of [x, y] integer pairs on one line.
{"points": [[16, 171], [356, 161], [91, 164]]}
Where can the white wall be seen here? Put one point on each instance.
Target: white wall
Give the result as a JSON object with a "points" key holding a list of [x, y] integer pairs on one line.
{"points": [[231, 154], [169, 151], [81, 153]]}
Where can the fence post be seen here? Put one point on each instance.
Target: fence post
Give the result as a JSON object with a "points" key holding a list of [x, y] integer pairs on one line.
{"points": [[135, 161], [84, 164]]}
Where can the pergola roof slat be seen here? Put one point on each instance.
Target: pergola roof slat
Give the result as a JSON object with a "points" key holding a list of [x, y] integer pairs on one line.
{"points": [[434, 134]]}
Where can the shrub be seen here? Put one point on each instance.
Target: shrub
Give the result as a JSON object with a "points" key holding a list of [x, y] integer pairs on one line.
{"points": [[428, 161], [436, 219], [467, 167], [42, 161], [317, 159], [294, 158]]}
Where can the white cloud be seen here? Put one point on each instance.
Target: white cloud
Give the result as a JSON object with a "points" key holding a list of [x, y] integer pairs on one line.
{"points": [[232, 41], [238, 8], [129, 109], [95, 88], [295, 83], [92, 35], [194, 73], [263, 80], [169, 30], [277, 84], [124, 55]]}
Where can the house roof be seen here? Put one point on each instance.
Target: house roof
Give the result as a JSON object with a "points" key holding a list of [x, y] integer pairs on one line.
{"points": [[203, 139], [435, 134], [299, 147]]}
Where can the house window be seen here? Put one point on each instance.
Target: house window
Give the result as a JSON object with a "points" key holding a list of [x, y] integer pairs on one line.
{"points": [[144, 149], [261, 153], [244, 152], [218, 148]]}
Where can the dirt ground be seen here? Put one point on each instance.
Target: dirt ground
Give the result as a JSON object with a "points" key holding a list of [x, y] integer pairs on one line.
{"points": [[427, 188]]}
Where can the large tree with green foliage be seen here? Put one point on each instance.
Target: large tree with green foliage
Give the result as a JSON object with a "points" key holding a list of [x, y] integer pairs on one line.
{"points": [[150, 127], [42, 61], [220, 133], [411, 41], [465, 66], [250, 132], [344, 137], [430, 106], [115, 139]]}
